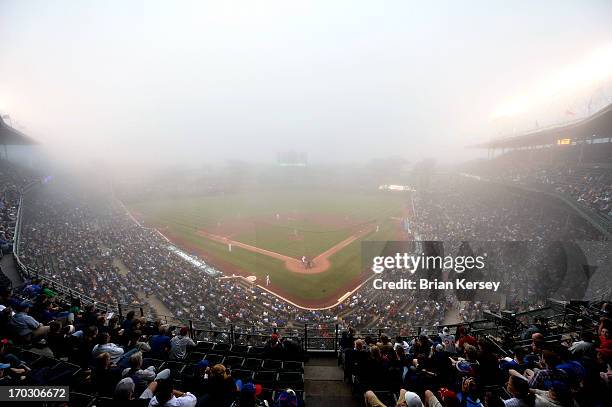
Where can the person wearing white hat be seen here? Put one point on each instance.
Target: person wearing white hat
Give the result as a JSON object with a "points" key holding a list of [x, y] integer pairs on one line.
{"points": [[406, 399]]}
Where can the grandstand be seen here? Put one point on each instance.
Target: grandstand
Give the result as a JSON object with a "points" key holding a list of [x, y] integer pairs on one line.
{"points": [[92, 300], [571, 162]]}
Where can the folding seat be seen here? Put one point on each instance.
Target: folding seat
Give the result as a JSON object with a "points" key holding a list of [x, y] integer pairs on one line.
{"points": [[242, 374], [293, 366], [252, 364], [189, 370], [176, 368], [157, 363], [213, 359], [292, 380], [43, 362], [80, 399], [232, 362], [195, 357], [70, 371], [239, 350], [221, 348], [204, 346], [255, 351], [28, 357], [271, 364], [104, 402], [60, 374], [266, 378]]}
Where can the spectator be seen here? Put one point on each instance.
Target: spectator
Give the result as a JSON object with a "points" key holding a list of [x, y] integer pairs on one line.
{"points": [[448, 340], [518, 388], [248, 396], [105, 375], [220, 388], [469, 395], [26, 327], [179, 344], [274, 348], [160, 343], [559, 394], [385, 346], [406, 399], [542, 378], [125, 394], [105, 346], [517, 362], [166, 396], [140, 377]]}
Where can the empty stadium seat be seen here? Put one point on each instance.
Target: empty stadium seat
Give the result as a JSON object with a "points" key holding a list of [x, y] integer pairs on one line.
{"points": [[104, 402], [43, 362], [242, 374], [80, 399], [204, 346], [271, 364], [213, 359], [266, 378], [195, 357], [55, 374], [252, 364], [239, 350], [293, 380], [255, 351], [190, 370], [233, 362], [176, 368], [156, 363], [28, 357], [221, 348], [293, 366]]}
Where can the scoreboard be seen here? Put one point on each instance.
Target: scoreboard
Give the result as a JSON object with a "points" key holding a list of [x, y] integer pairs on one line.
{"points": [[292, 159]]}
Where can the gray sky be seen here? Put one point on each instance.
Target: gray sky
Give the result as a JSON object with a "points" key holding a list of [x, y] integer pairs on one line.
{"points": [[191, 82]]}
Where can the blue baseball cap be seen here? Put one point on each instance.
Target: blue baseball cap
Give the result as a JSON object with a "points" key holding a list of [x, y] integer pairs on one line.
{"points": [[203, 364]]}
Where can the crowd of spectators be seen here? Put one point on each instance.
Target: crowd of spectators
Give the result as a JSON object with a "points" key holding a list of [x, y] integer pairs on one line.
{"points": [[589, 183], [589, 186], [89, 242], [461, 369], [101, 251], [459, 208], [12, 179], [131, 361]]}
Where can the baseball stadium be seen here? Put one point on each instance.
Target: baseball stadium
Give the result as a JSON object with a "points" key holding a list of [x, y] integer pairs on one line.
{"points": [[290, 204]]}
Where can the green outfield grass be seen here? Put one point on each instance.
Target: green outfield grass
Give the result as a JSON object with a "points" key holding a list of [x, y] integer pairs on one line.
{"points": [[321, 221]]}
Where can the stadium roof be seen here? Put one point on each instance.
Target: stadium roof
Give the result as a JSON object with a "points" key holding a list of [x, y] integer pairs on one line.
{"points": [[598, 125], [10, 136]]}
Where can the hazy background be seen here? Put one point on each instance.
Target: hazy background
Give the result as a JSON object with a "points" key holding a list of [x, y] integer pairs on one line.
{"points": [[187, 83]]}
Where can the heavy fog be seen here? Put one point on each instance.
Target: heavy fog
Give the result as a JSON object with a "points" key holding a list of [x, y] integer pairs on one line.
{"points": [[187, 84]]}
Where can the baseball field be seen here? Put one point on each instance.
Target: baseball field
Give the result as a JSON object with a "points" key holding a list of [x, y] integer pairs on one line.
{"points": [[307, 242]]}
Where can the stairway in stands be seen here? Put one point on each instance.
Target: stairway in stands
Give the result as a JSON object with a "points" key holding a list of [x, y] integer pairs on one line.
{"points": [[9, 269], [324, 385]]}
